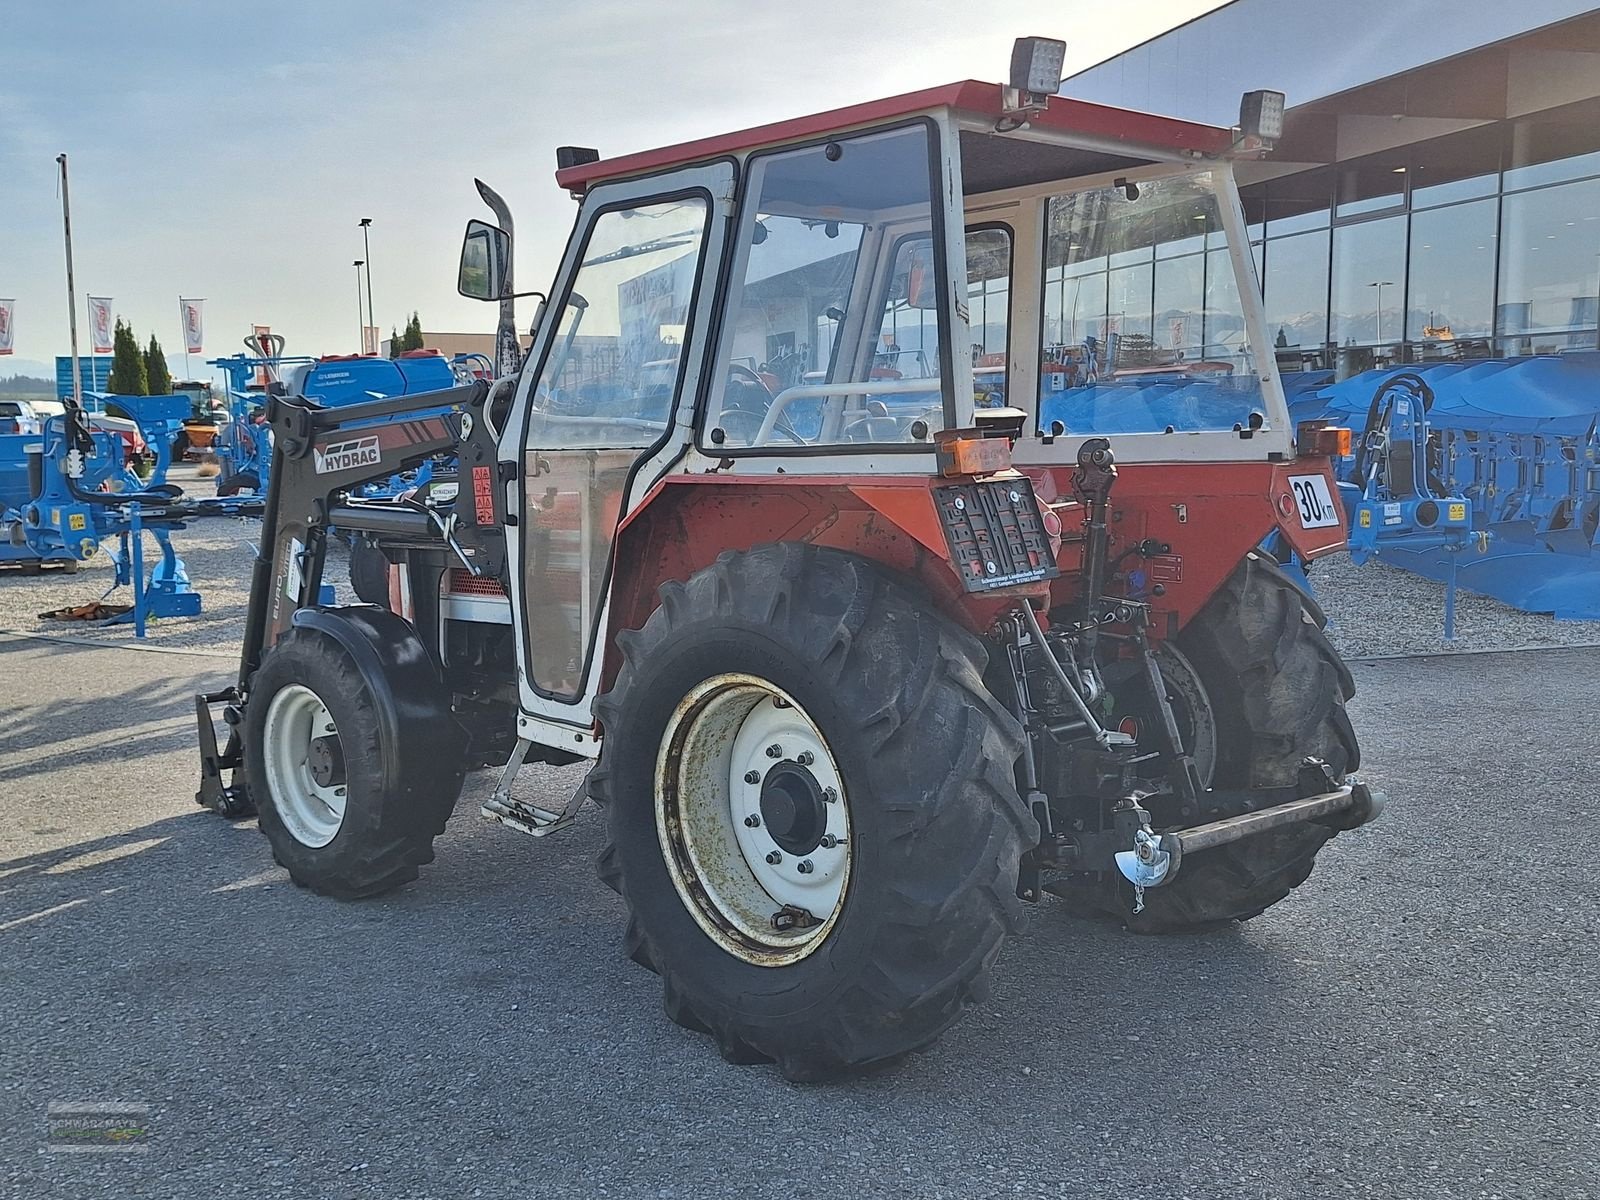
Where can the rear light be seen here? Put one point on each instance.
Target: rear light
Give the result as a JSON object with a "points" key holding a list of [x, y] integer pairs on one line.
{"points": [[1322, 438], [960, 453]]}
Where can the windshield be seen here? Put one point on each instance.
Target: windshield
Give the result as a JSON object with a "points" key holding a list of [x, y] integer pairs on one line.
{"points": [[1144, 328]]}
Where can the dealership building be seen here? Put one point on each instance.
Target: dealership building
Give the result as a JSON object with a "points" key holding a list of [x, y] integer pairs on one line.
{"points": [[1436, 193]]}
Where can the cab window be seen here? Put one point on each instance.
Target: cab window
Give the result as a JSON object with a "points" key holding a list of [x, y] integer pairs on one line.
{"points": [[1143, 326], [832, 333], [611, 373]]}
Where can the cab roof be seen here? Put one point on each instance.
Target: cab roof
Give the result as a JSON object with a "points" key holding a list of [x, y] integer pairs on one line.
{"points": [[970, 98]]}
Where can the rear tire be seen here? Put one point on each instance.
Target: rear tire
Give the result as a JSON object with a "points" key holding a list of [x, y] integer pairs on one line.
{"points": [[891, 696], [1277, 689], [356, 815]]}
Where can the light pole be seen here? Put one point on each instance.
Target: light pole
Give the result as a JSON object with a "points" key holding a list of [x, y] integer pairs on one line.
{"points": [[361, 321], [366, 247], [1380, 285]]}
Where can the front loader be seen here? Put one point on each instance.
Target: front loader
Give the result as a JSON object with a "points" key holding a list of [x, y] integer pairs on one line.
{"points": [[875, 511]]}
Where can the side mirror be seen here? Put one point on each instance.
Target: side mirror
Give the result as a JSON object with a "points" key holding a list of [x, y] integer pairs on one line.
{"points": [[485, 258]]}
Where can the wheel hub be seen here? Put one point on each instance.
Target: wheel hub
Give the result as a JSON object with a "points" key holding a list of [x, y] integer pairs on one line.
{"points": [[753, 819], [792, 808], [325, 760]]}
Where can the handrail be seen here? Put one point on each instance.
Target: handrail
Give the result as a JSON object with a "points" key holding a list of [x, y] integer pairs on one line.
{"points": [[804, 391]]}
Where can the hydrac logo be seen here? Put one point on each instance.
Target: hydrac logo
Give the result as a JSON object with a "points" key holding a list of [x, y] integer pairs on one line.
{"points": [[342, 456]]}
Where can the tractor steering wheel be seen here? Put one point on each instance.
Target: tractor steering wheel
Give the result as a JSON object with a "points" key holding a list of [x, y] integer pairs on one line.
{"points": [[738, 416]]}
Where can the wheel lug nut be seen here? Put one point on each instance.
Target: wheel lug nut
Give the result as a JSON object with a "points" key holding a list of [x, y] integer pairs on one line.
{"points": [[774, 857], [752, 776], [774, 751], [752, 821], [805, 867], [805, 758], [828, 841], [831, 795]]}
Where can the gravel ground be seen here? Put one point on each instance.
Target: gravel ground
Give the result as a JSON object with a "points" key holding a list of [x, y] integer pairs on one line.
{"points": [[1410, 619], [217, 553], [1417, 1021]]}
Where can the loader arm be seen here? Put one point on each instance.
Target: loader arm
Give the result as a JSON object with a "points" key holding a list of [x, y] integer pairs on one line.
{"points": [[322, 454]]}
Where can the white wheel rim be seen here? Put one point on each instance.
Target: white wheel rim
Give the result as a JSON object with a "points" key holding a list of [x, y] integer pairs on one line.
{"points": [[311, 809], [753, 819]]}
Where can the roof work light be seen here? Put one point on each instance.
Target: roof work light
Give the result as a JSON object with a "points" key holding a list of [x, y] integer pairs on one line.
{"points": [[1036, 65], [1261, 117]]}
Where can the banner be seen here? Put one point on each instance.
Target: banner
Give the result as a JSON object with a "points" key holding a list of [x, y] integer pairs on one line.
{"points": [[100, 324], [369, 339], [7, 339], [193, 326]]}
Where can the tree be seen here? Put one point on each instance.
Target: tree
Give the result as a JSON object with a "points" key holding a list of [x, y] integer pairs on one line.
{"points": [[128, 376], [394, 342], [155, 369], [411, 339]]}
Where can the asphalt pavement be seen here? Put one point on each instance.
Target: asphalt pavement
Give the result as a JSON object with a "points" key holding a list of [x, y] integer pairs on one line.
{"points": [[1419, 1020]]}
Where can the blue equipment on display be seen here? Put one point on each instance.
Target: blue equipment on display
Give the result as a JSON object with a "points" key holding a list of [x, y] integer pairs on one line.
{"points": [[76, 492], [245, 446], [1482, 473]]}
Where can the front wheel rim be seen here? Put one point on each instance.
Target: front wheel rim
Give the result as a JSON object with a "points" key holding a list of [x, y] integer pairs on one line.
{"points": [[305, 766], [753, 820]]}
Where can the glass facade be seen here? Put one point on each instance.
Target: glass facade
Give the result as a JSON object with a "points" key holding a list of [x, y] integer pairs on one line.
{"points": [[1484, 243]]}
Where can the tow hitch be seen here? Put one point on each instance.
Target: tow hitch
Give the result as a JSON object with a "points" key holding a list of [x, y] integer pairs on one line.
{"points": [[1148, 858], [1154, 859]]}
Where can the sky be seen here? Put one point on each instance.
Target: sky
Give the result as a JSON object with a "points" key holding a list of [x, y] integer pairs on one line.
{"points": [[227, 150]]}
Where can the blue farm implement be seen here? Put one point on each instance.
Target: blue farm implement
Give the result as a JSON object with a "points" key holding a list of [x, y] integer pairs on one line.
{"points": [[245, 445], [1482, 473], [75, 493]]}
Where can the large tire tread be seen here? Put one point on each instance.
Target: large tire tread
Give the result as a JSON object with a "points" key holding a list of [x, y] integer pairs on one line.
{"points": [[386, 837], [1279, 689], [948, 801]]}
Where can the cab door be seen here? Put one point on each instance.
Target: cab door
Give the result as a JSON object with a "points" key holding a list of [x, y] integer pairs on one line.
{"points": [[604, 407]]}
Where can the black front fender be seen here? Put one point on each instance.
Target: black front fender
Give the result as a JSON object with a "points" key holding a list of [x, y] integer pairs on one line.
{"points": [[403, 676]]}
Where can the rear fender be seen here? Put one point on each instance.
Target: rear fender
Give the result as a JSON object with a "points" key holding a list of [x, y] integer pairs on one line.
{"points": [[1210, 514], [688, 521]]}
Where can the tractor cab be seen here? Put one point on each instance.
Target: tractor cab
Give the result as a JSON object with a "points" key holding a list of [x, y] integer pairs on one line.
{"points": [[842, 295], [840, 288]]}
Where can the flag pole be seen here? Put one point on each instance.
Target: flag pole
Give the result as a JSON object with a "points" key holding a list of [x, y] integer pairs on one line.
{"points": [[183, 330], [72, 295]]}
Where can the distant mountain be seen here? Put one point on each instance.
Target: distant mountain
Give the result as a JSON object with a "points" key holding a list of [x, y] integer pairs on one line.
{"points": [[28, 366], [26, 385]]}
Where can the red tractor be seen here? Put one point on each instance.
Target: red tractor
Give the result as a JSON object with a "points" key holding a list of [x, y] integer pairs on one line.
{"points": [[868, 646]]}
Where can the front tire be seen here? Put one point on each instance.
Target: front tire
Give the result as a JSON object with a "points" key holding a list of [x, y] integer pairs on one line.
{"points": [[859, 689], [350, 798]]}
